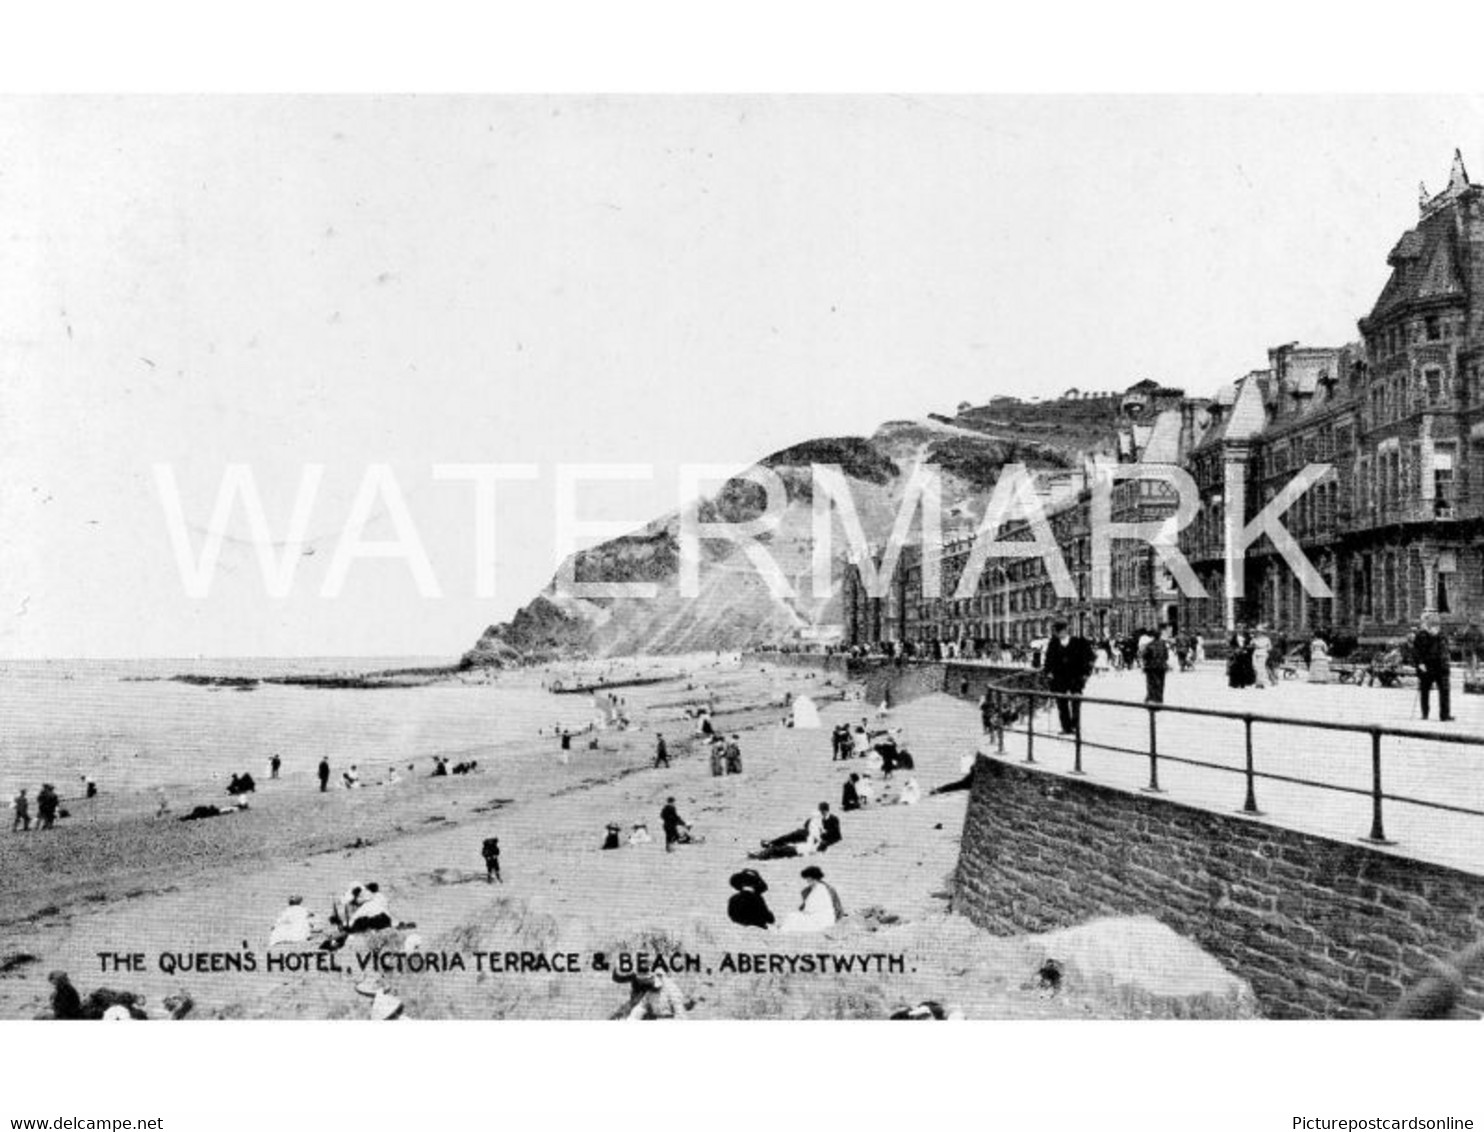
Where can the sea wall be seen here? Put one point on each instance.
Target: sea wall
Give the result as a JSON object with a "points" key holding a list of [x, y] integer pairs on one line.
{"points": [[1318, 928], [817, 662]]}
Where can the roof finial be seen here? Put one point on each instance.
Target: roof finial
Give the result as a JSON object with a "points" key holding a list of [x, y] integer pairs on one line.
{"points": [[1458, 177], [1422, 195]]}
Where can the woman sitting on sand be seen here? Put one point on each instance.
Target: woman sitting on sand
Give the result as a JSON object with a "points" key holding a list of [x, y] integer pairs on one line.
{"points": [[747, 906], [295, 924], [820, 907]]}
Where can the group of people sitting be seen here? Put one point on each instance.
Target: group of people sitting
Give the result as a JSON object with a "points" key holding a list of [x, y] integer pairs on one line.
{"points": [[241, 784], [105, 1005], [819, 831], [638, 835], [858, 791], [819, 907], [363, 908], [860, 742]]}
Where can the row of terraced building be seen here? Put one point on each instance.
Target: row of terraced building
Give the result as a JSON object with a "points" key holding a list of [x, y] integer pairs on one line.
{"points": [[1395, 527]]}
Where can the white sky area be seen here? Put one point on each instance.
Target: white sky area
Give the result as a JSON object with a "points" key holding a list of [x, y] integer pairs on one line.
{"points": [[416, 281]]}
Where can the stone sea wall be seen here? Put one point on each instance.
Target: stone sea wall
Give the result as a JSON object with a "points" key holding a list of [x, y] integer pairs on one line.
{"points": [[1319, 928]]}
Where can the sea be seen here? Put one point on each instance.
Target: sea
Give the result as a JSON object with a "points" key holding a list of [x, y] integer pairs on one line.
{"points": [[131, 728]]}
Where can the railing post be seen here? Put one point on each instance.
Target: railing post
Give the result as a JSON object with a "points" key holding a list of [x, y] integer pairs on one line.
{"points": [[1153, 787], [1378, 831], [1077, 736], [999, 719], [1250, 805], [1030, 727]]}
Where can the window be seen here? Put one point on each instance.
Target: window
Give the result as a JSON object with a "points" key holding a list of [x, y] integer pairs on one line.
{"points": [[1433, 378], [1434, 328], [1443, 484]]}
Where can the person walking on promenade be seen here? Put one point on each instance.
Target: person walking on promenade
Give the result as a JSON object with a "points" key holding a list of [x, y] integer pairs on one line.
{"points": [[1262, 651], [1068, 664], [661, 752], [1155, 658], [324, 773], [22, 819], [1430, 654]]}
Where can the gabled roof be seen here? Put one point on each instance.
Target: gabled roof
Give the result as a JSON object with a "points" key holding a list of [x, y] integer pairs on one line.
{"points": [[1163, 444], [1249, 415]]}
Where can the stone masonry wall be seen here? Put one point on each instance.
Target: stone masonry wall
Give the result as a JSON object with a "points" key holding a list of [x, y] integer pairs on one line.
{"points": [[1319, 928]]}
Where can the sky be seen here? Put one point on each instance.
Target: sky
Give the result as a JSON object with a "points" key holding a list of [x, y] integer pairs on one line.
{"points": [[409, 282]]}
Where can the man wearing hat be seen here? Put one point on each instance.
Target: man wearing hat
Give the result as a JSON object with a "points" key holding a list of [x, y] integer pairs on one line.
{"points": [[1430, 654]]}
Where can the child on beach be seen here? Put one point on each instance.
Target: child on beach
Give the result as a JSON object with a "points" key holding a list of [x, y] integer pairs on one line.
{"points": [[491, 852]]}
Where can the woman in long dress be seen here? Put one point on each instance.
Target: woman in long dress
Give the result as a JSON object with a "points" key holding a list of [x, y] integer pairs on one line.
{"points": [[820, 908], [1239, 668]]}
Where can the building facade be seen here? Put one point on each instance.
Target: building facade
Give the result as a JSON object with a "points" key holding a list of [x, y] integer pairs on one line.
{"points": [[1394, 527]]}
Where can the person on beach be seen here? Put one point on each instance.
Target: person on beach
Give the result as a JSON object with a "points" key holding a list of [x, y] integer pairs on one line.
{"points": [[747, 906], [661, 752], [295, 924], [718, 757], [324, 774], [653, 998], [66, 1003], [47, 803], [370, 912], [491, 852], [820, 907], [274, 765], [850, 798], [734, 755], [819, 832], [352, 777], [89, 786], [22, 819], [673, 825], [911, 793], [640, 835], [610, 838]]}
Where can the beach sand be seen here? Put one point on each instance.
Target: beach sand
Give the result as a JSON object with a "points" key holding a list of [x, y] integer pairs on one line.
{"points": [[120, 881]]}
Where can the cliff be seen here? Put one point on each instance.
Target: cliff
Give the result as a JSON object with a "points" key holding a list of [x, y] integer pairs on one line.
{"points": [[734, 608]]}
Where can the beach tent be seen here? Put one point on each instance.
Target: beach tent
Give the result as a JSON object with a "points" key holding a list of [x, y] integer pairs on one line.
{"points": [[805, 713]]}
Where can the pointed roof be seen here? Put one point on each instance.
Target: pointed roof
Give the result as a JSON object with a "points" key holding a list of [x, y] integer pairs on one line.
{"points": [[1249, 414], [1163, 443], [1458, 176], [1425, 263]]}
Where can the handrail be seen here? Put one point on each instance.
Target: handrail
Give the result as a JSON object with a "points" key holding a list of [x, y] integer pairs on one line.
{"points": [[1249, 771]]}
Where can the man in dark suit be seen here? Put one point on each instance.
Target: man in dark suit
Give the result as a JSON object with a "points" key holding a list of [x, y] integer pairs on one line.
{"points": [[1067, 666], [1430, 654]]}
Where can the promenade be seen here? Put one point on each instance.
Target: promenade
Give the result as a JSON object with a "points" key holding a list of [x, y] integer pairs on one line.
{"points": [[1415, 768]]}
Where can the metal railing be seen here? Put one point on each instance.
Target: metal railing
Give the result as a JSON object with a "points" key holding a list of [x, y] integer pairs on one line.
{"points": [[1004, 696]]}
